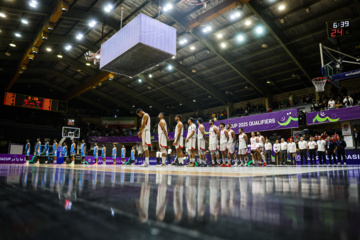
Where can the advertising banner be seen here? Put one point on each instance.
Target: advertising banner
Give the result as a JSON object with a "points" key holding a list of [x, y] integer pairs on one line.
{"points": [[334, 115]]}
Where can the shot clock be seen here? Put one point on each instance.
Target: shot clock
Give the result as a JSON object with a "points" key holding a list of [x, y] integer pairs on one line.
{"points": [[27, 101], [339, 28]]}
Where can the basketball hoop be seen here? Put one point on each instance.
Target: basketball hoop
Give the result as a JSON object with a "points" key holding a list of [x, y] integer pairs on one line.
{"points": [[71, 136], [319, 84]]}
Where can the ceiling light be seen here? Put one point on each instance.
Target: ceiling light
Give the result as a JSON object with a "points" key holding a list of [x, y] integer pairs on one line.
{"points": [[194, 100], [282, 21], [170, 67], [307, 10], [12, 44], [33, 3], [259, 30], [264, 45], [281, 7], [92, 23], [223, 45], [7, 53], [24, 21], [17, 35], [173, 57], [192, 48], [68, 47], [140, 80], [247, 22], [150, 76], [235, 15], [207, 29], [88, 64], [150, 106], [48, 49], [240, 38], [168, 7], [180, 104], [79, 36], [108, 7], [59, 55], [183, 41], [3, 15], [133, 105], [149, 87], [219, 35], [268, 82]]}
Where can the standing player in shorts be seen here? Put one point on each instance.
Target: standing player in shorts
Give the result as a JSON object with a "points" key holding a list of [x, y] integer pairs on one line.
{"points": [[230, 144], [72, 153], [213, 141], [27, 151], [243, 141], [38, 151], [262, 144], [55, 146], [144, 134], [83, 151], [132, 156], [65, 153], [103, 154], [179, 141], [96, 153], [201, 142], [191, 141], [163, 138], [223, 145], [123, 154], [113, 154], [253, 145], [46, 150]]}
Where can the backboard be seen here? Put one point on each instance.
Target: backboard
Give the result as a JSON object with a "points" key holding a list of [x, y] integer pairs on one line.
{"points": [[69, 132]]}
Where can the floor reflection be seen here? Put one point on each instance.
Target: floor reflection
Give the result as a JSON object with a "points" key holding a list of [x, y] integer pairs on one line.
{"points": [[317, 202]]}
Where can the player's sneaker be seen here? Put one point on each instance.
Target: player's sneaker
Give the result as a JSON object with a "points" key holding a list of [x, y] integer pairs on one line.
{"points": [[339, 163], [180, 165], [46, 162], [72, 164], [26, 163], [95, 164], [145, 164], [228, 165], [217, 164], [163, 165], [223, 165], [191, 165], [344, 163], [236, 164]]}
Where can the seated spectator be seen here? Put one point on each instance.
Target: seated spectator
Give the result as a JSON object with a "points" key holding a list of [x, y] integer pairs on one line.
{"points": [[331, 104], [338, 105]]}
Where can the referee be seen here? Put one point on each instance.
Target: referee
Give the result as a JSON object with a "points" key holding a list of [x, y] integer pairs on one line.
{"points": [[303, 148]]}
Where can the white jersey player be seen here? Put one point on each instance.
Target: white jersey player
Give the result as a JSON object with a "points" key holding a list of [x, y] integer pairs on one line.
{"points": [[231, 143], [191, 141], [223, 144], [243, 141], [144, 134], [179, 140], [262, 144], [201, 142], [213, 141], [163, 138]]}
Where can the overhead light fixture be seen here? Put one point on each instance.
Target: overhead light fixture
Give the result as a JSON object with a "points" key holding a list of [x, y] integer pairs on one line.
{"points": [[219, 36], [21, 72], [247, 22], [35, 50], [259, 30], [24, 21], [180, 104], [192, 48], [92, 23], [170, 67], [149, 87], [235, 15], [183, 41], [282, 21], [150, 106], [79, 36], [7, 53], [140, 80], [33, 3], [194, 100], [223, 45], [3, 15], [23, 67], [307, 10], [111, 77], [48, 49], [264, 45], [17, 35], [60, 55], [45, 36], [150, 75], [108, 7], [240, 38], [268, 81], [68, 47], [173, 57], [281, 7], [31, 56], [88, 64], [12, 44], [168, 7], [50, 26], [207, 29], [133, 105], [65, 7]]}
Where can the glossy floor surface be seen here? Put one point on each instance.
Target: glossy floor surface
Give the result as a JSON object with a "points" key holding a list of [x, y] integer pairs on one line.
{"points": [[55, 202]]}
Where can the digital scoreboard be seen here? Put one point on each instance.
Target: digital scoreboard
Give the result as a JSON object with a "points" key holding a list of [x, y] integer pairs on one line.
{"points": [[339, 28], [27, 101]]}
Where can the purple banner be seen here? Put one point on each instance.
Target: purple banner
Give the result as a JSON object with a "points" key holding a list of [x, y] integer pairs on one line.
{"points": [[262, 122], [12, 159], [335, 115]]}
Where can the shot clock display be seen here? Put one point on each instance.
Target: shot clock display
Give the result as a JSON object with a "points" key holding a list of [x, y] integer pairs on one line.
{"points": [[339, 28], [27, 101]]}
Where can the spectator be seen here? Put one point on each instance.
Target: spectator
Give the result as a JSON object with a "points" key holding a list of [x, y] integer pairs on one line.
{"points": [[291, 99], [338, 105], [331, 104]]}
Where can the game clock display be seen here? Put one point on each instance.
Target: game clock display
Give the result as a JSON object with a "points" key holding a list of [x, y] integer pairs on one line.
{"points": [[27, 101], [340, 28]]}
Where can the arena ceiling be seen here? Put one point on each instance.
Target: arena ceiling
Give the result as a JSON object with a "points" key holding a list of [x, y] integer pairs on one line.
{"points": [[226, 51]]}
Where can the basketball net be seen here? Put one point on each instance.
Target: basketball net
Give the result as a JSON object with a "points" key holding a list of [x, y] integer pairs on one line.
{"points": [[319, 84], [71, 136]]}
